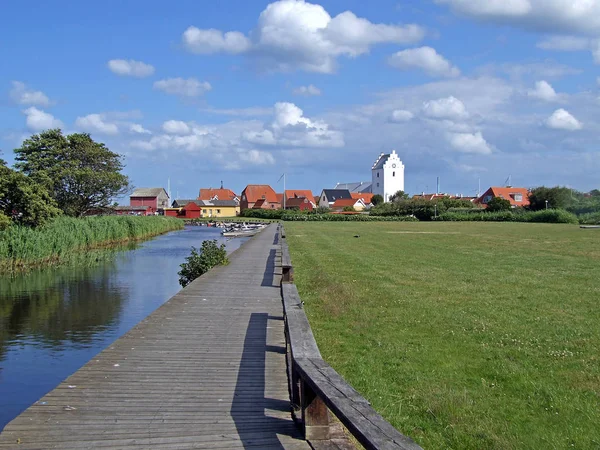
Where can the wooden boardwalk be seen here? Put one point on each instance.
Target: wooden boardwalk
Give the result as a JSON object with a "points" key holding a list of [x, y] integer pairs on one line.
{"points": [[206, 370]]}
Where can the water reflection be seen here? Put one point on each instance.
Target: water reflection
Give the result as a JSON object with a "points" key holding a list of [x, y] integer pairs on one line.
{"points": [[53, 321]]}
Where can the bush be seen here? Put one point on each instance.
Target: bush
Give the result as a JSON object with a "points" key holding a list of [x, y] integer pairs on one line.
{"points": [[498, 204], [544, 216], [4, 221], [376, 200], [263, 213], [590, 219], [552, 216], [345, 218], [199, 262]]}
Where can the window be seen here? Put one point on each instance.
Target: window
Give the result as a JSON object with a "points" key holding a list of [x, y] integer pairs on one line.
{"points": [[203, 211], [377, 174], [393, 174], [218, 211], [377, 184], [518, 197]]}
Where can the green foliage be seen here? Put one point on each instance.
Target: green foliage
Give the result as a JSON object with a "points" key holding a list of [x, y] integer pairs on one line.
{"points": [[376, 200], [211, 254], [25, 201], [348, 209], [557, 197], [422, 209], [322, 210], [498, 204], [264, 213], [544, 216], [4, 221], [23, 247], [399, 195], [590, 218], [344, 218], [80, 174]]}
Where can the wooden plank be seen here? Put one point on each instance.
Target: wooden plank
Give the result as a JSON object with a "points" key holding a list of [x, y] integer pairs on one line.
{"points": [[205, 370]]}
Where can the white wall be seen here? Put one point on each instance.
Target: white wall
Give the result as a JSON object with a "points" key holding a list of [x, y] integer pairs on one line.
{"points": [[391, 177]]}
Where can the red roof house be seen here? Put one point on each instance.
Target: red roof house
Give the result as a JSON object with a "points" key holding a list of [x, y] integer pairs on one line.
{"points": [[216, 194], [516, 196], [364, 196], [301, 203], [255, 192], [340, 204]]}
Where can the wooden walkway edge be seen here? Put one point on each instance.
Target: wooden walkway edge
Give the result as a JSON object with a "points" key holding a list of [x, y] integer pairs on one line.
{"points": [[205, 370]]}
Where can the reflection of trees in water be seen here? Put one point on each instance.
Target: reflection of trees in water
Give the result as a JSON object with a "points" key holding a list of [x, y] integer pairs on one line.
{"points": [[54, 306]]}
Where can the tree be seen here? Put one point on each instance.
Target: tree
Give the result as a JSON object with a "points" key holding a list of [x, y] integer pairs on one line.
{"points": [[376, 200], [80, 174], [498, 204], [211, 254], [348, 209], [557, 197], [399, 195], [23, 200]]}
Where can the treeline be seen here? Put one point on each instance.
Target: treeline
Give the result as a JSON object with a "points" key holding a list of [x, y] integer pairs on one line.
{"points": [[24, 247], [56, 175]]}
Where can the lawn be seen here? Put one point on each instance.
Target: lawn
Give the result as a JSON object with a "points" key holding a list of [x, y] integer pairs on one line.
{"points": [[462, 335]]}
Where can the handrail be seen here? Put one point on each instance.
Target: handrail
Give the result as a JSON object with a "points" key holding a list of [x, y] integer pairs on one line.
{"points": [[316, 389]]}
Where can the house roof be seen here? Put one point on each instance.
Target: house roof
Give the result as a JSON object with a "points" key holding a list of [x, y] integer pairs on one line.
{"points": [[183, 202], [258, 203], [280, 198], [359, 186], [365, 197], [335, 194], [218, 194], [148, 192], [381, 161], [254, 192], [296, 201], [316, 199], [347, 202], [507, 193], [295, 193], [224, 203]]}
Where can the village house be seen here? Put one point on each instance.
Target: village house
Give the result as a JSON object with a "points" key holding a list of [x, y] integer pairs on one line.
{"points": [[156, 198], [365, 197], [329, 196], [134, 210], [299, 193], [193, 209], [263, 194], [516, 196], [217, 194], [356, 204], [301, 203], [361, 187]]}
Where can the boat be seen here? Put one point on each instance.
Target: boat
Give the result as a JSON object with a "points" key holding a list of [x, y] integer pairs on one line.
{"points": [[241, 230]]}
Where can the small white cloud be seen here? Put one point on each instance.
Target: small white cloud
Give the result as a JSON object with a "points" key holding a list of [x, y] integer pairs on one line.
{"points": [[426, 59], [96, 123], [543, 91], [22, 95], [139, 129], [256, 157], [469, 143], [176, 127], [449, 108], [189, 87], [214, 41], [130, 68], [264, 137], [38, 120], [401, 115], [561, 119], [564, 43], [307, 91]]}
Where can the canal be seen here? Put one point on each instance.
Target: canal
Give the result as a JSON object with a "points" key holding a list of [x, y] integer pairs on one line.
{"points": [[54, 321]]}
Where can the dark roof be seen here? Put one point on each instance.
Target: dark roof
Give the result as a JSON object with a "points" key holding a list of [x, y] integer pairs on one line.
{"points": [[148, 192], [359, 186], [335, 194], [183, 202], [381, 161], [224, 202], [296, 201]]}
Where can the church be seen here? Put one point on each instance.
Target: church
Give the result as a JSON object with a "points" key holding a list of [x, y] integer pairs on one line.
{"points": [[387, 177]]}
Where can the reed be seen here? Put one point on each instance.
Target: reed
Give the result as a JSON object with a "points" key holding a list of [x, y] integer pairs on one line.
{"points": [[23, 248]]}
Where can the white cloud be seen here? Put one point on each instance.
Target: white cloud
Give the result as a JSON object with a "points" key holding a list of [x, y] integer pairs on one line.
{"points": [[449, 108], [401, 115], [598, 80], [214, 41], [263, 137], [543, 91], [561, 119], [469, 143], [189, 87], [96, 123], [176, 127], [256, 157], [567, 16], [596, 51], [38, 120], [138, 129], [297, 35], [307, 91], [130, 68], [426, 59], [564, 43], [22, 95]]}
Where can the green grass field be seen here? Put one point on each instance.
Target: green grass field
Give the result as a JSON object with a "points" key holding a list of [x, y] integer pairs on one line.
{"points": [[462, 335]]}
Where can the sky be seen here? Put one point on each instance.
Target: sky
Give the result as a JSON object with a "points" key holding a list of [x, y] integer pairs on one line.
{"points": [[242, 91]]}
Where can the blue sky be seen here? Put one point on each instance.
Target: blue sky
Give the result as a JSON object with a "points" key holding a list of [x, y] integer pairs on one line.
{"points": [[242, 91]]}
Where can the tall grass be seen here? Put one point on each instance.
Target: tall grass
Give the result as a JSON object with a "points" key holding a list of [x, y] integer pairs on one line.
{"points": [[22, 248]]}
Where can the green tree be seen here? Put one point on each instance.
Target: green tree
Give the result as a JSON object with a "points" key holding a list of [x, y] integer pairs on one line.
{"points": [[557, 197], [81, 174], [399, 195], [498, 204], [376, 199], [24, 200], [348, 209], [199, 262]]}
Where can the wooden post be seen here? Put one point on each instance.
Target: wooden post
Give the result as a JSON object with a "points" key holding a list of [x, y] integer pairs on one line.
{"points": [[315, 414], [287, 274]]}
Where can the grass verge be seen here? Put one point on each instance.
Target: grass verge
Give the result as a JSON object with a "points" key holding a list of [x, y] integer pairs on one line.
{"points": [[24, 248], [462, 335]]}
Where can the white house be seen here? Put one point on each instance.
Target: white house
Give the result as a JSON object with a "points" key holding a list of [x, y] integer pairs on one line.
{"points": [[388, 175]]}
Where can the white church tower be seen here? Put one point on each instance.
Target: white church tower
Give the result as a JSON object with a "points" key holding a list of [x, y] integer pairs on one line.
{"points": [[388, 175]]}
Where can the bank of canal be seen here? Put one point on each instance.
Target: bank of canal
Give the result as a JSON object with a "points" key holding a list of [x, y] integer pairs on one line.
{"points": [[53, 321]]}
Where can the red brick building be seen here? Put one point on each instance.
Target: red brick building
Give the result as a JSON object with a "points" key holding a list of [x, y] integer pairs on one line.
{"points": [[516, 196], [217, 194], [156, 198], [263, 192], [301, 203]]}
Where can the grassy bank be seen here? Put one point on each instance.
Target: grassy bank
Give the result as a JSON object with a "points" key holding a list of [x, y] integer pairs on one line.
{"points": [[23, 248], [463, 335]]}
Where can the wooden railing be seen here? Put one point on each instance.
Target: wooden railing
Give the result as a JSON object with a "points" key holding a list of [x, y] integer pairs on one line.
{"points": [[317, 390]]}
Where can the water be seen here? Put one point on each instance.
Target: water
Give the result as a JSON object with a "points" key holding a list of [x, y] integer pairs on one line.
{"points": [[54, 321]]}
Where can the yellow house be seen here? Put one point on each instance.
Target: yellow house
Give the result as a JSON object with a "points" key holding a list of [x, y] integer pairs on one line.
{"points": [[219, 208]]}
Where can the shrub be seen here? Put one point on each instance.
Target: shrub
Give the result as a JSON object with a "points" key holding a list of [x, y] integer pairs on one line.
{"points": [[345, 218], [376, 200], [544, 216], [348, 209], [4, 221], [551, 216], [199, 262], [590, 219], [498, 204]]}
